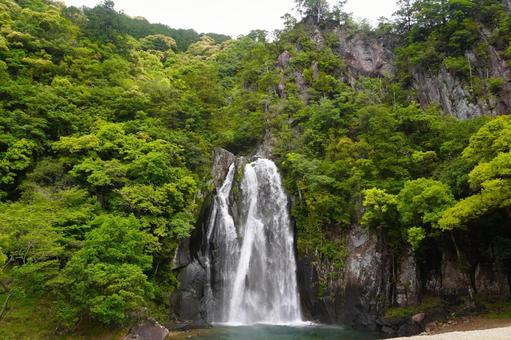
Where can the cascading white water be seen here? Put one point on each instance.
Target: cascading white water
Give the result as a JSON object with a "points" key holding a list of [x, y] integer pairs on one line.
{"points": [[255, 259]]}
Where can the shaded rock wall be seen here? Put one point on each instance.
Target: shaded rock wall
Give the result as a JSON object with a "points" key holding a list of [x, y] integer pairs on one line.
{"points": [[374, 280], [189, 302]]}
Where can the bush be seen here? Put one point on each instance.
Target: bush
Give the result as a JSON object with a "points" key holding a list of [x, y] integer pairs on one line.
{"points": [[105, 279], [457, 65], [495, 84]]}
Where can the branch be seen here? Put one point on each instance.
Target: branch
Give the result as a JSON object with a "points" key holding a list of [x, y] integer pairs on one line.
{"points": [[4, 306]]}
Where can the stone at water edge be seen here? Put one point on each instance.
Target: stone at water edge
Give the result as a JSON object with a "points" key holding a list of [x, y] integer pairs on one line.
{"points": [[148, 330]]}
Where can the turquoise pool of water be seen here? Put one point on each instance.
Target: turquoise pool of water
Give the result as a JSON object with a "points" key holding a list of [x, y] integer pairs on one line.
{"points": [[271, 332]]}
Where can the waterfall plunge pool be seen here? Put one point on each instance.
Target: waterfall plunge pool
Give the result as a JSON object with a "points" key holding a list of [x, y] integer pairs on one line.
{"points": [[250, 255], [304, 331]]}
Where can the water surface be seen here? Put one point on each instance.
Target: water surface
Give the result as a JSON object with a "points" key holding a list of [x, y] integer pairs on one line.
{"points": [[270, 332]]}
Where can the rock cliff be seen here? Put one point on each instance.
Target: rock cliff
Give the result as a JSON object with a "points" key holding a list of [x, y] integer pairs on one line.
{"points": [[372, 55]]}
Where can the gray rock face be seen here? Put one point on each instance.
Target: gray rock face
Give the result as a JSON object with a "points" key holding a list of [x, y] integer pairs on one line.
{"points": [[320, 302], [318, 39], [373, 56], [182, 257], [407, 287], [455, 95], [302, 86], [453, 283], [283, 60], [222, 159], [265, 149], [148, 330], [450, 282], [367, 55], [364, 287], [448, 92]]}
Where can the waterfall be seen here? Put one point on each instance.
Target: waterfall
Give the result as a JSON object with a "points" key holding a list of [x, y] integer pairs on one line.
{"points": [[253, 254]]}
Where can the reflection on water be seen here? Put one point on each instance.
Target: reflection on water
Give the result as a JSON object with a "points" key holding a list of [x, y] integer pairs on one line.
{"points": [[271, 332]]}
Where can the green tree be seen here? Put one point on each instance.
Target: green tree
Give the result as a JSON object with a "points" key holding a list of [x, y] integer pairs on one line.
{"points": [[490, 149], [421, 204], [316, 9], [158, 42], [106, 278]]}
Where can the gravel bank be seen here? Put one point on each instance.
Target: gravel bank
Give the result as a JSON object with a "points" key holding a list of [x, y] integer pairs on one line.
{"points": [[503, 333]]}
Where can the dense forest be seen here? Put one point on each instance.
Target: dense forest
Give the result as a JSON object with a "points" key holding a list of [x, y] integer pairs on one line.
{"points": [[108, 123]]}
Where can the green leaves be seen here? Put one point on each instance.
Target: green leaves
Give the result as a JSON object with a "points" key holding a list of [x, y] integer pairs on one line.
{"points": [[492, 139], [414, 212], [415, 236], [106, 277], [499, 167], [317, 9], [132, 173], [380, 207], [490, 179], [158, 42], [17, 158], [495, 194], [422, 202]]}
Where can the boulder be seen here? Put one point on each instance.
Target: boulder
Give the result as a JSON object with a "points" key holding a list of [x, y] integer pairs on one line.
{"points": [[410, 328], [419, 317], [147, 330]]}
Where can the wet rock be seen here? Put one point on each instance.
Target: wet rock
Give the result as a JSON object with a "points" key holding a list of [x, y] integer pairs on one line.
{"points": [[387, 331], [148, 330], [222, 160], [189, 325], [410, 328], [187, 303], [182, 258], [315, 307]]}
